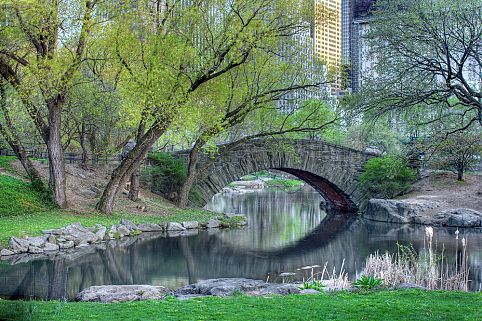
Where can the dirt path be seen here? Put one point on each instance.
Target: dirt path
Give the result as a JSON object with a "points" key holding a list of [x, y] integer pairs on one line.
{"points": [[443, 188]]}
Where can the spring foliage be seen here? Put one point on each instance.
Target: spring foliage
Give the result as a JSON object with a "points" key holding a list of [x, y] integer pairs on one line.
{"points": [[386, 176]]}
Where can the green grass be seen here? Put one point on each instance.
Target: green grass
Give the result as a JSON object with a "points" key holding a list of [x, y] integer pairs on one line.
{"points": [[18, 197], [6, 163], [24, 213], [380, 305], [284, 183]]}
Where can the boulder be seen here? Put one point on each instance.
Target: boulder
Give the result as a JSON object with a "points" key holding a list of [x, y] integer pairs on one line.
{"points": [[5, 252], [66, 245], [122, 230], [460, 217], [58, 231], [163, 225], [51, 239], [51, 247], [190, 225], [101, 230], [230, 286], [149, 227], [18, 245], [78, 233], [173, 226], [37, 241], [122, 293], [214, 223], [35, 250], [395, 211], [130, 226]]}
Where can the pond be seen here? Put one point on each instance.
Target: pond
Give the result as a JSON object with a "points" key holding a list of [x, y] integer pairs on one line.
{"points": [[286, 231]]}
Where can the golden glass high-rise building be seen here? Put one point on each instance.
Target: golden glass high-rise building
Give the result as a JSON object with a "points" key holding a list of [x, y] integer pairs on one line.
{"points": [[328, 32]]}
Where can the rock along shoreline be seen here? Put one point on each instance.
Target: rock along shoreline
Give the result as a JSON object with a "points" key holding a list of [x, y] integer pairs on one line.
{"points": [[77, 236], [420, 212]]}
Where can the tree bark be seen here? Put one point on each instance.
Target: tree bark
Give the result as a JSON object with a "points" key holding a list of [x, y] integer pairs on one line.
{"points": [[460, 172], [85, 155], [191, 175], [134, 188], [57, 181], [123, 172]]}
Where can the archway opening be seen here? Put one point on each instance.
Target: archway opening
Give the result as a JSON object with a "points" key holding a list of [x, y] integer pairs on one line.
{"points": [[337, 199]]}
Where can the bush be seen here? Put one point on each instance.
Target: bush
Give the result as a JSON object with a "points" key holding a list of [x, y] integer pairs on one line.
{"points": [[387, 176], [168, 175], [368, 282]]}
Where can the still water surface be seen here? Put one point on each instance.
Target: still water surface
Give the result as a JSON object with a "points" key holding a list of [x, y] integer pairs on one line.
{"points": [[286, 231]]}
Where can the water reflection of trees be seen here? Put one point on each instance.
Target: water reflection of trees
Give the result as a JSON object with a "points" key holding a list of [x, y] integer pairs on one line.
{"points": [[174, 262], [276, 218]]}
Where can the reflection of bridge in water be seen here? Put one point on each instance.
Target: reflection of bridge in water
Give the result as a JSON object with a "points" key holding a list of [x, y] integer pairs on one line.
{"points": [[176, 261]]}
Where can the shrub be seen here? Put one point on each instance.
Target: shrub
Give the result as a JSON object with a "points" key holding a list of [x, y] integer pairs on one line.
{"points": [[314, 285], [387, 176], [368, 282], [168, 175]]}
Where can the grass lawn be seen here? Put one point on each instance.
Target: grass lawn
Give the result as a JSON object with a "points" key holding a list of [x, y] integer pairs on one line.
{"points": [[24, 213], [380, 305]]}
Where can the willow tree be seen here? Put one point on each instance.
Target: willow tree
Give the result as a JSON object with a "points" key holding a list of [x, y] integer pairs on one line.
{"points": [[253, 91], [168, 62], [42, 47]]}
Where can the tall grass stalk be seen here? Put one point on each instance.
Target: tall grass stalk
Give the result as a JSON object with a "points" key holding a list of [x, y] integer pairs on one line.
{"points": [[425, 269]]}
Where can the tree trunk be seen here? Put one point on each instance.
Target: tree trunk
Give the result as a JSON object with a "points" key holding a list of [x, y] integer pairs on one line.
{"points": [[11, 136], [57, 182], [127, 167], [191, 175], [134, 188], [460, 172], [85, 155]]}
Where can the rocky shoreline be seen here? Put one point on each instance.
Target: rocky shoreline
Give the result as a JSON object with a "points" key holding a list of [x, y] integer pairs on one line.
{"points": [[222, 287], [213, 287], [423, 212], [76, 236]]}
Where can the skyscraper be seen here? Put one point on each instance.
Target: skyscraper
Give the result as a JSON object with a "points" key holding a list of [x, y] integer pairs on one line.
{"points": [[328, 31], [346, 16]]}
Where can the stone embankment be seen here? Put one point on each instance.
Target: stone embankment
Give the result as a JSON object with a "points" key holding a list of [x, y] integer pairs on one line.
{"points": [[77, 236], [421, 212]]}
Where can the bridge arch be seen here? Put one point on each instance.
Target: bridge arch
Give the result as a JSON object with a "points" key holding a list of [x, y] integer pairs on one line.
{"points": [[331, 169]]}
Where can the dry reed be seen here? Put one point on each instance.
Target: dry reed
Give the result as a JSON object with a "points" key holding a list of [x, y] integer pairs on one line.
{"points": [[427, 269]]}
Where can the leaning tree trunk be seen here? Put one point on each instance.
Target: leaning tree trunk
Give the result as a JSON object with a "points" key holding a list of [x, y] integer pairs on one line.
{"points": [[10, 134], [134, 187], [131, 163], [191, 176], [57, 182]]}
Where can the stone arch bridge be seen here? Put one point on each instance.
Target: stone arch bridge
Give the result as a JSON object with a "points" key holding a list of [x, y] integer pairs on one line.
{"points": [[332, 170]]}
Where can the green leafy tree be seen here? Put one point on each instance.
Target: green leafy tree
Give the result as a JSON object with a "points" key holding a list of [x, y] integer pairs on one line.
{"points": [[386, 176], [458, 152], [176, 62], [42, 46]]}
